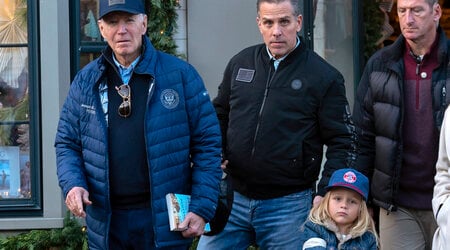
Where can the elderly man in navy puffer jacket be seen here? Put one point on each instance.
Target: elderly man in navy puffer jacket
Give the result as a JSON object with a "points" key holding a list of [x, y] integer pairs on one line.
{"points": [[137, 124]]}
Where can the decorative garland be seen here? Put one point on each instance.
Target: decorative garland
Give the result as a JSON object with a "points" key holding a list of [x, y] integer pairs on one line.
{"points": [[71, 237], [162, 23], [373, 21]]}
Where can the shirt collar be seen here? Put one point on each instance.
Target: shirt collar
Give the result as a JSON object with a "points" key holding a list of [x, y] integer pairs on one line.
{"points": [[125, 72], [276, 62]]}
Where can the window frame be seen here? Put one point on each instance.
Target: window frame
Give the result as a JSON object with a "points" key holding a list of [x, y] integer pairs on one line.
{"points": [[358, 45], [32, 206], [78, 47]]}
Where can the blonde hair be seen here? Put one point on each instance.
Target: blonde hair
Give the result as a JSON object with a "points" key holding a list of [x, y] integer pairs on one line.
{"points": [[320, 215]]}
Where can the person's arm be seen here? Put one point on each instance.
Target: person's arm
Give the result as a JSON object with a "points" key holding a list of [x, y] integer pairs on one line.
{"points": [[372, 243], [315, 244], [222, 106], [311, 237], [373, 246], [70, 169], [364, 122], [205, 147], [337, 129], [442, 177]]}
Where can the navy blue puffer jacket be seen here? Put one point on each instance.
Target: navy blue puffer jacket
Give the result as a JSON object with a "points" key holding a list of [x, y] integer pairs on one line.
{"points": [[183, 144]]}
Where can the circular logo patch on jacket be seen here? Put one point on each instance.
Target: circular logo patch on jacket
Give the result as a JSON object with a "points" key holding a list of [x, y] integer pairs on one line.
{"points": [[296, 84], [169, 98]]}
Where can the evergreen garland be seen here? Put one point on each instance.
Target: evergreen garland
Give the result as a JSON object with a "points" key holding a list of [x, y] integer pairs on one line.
{"points": [[373, 21], [162, 17], [71, 237]]}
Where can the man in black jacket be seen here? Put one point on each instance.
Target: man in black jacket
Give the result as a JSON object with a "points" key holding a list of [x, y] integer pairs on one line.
{"points": [[398, 110], [279, 103]]}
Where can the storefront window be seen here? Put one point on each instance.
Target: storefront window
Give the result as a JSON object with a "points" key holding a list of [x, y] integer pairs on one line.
{"points": [[88, 21], [88, 42], [15, 165], [334, 37], [445, 19]]}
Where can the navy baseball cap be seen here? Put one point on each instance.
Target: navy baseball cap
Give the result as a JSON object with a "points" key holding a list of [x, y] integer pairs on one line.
{"points": [[351, 179], [129, 6]]}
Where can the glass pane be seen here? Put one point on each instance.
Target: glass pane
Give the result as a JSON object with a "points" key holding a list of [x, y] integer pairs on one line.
{"points": [[445, 19], [333, 37], [88, 21], [85, 58], [15, 181]]}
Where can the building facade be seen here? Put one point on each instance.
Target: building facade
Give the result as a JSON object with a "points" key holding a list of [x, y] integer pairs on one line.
{"points": [[43, 43]]}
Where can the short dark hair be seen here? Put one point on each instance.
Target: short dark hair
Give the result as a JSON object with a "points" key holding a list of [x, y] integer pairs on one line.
{"points": [[432, 2], [294, 4]]}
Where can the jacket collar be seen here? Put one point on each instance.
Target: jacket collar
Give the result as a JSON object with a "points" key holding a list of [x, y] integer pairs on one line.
{"points": [[394, 52], [147, 62], [290, 57]]}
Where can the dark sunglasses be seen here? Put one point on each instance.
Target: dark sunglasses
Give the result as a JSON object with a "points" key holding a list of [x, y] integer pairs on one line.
{"points": [[124, 91]]}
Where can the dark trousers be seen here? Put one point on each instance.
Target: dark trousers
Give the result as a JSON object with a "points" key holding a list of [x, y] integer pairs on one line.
{"points": [[132, 230]]}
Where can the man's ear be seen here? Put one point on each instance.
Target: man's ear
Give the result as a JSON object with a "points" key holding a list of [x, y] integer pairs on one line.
{"points": [[258, 22], [437, 12], [144, 23], [299, 22], [100, 26]]}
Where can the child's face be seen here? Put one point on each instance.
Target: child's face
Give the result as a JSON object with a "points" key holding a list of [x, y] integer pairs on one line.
{"points": [[344, 207]]}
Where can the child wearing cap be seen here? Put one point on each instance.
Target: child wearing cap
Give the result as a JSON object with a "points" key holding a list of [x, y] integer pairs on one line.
{"points": [[341, 220]]}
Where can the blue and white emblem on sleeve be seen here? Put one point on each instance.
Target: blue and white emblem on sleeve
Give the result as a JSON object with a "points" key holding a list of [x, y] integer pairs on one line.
{"points": [[170, 98]]}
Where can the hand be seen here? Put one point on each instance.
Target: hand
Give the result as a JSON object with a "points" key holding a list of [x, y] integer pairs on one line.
{"points": [[317, 200], [75, 200], [194, 224], [370, 210], [224, 164]]}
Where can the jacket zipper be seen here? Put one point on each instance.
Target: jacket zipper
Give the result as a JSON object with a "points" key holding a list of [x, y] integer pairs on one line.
{"points": [[417, 89], [151, 89], [266, 93]]}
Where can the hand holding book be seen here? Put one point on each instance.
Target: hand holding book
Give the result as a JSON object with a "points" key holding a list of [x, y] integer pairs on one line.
{"points": [[182, 220], [216, 224], [194, 225]]}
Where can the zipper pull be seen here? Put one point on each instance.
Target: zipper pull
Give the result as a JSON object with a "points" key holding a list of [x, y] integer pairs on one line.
{"points": [[151, 87], [444, 94]]}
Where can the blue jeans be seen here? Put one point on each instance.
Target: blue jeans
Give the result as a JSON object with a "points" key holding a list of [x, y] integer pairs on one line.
{"points": [[271, 224]]}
